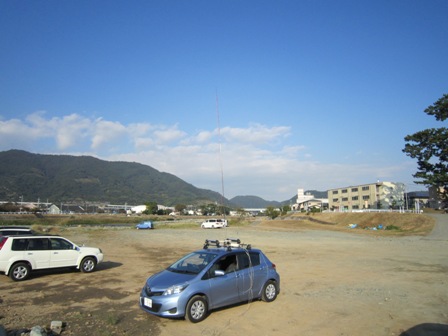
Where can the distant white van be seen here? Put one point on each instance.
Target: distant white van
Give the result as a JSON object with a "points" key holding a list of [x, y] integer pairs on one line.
{"points": [[214, 223]]}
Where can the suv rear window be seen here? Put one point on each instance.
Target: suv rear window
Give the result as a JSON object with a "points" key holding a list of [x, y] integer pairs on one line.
{"points": [[19, 244]]}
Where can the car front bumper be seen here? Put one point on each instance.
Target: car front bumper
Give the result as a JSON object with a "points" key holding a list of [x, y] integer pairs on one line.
{"points": [[165, 306]]}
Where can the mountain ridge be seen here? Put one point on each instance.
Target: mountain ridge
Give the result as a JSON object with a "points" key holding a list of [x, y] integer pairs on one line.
{"points": [[67, 178], [63, 178]]}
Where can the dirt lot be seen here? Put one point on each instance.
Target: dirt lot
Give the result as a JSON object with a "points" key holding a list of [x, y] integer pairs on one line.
{"points": [[332, 283]]}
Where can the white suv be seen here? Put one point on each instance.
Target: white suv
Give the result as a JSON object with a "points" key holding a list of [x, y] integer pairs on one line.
{"points": [[21, 254], [214, 223]]}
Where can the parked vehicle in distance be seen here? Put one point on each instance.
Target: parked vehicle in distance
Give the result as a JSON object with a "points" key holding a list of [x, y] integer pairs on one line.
{"points": [[214, 223], [145, 225], [22, 254], [15, 230], [221, 274]]}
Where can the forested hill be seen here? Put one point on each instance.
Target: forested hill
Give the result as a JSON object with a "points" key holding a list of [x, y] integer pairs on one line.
{"points": [[257, 202], [254, 202], [65, 178]]}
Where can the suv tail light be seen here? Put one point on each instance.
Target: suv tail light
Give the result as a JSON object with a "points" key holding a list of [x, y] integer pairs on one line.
{"points": [[3, 241], [273, 266]]}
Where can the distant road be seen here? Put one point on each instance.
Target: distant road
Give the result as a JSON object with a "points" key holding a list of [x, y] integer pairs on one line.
{"points": [[440, 231]]}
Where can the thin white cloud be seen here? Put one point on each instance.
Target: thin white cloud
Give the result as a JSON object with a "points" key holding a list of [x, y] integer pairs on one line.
{"points": [[201, 137], [105, 132], [169, 134], [255, 133]]}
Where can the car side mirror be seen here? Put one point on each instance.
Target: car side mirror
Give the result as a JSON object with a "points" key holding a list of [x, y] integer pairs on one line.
{"points": [[219, 272]]}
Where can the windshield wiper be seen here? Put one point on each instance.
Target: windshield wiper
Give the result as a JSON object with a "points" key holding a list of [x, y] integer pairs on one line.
{"points": [[182, 271]]}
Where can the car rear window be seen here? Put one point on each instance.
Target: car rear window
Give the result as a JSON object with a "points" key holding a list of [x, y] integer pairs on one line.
{"points": [[245, 262], [19, 244]]}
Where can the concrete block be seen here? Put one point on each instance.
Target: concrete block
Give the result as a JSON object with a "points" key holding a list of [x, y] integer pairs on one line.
{"points": [[56, 327]]}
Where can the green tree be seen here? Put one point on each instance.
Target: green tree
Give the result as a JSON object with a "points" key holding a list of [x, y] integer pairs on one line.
{"points": [[151, 208], [209, 209], [180, 207], [241, 212], [285, 209], [430, 148], [272, 212], [214, 209]]}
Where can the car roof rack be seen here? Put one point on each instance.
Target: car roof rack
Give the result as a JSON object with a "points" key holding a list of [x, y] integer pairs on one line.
{"points": [[228, 242]]}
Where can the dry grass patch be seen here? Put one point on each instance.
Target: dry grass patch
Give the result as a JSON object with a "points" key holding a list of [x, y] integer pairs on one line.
{"points": [[400, 224]]}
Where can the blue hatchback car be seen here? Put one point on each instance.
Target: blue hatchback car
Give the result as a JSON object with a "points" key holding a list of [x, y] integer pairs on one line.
{"points": [[144, 225], [221, 274]]}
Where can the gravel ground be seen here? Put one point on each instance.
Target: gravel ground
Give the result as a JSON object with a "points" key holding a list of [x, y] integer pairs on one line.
{"points": [[332, 283]]}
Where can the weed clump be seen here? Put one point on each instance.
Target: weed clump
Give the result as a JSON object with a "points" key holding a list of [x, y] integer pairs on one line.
{"points": [[392, 228]]}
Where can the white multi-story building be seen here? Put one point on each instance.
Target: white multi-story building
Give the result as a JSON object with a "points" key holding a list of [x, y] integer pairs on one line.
{"points": [[305, 202], [302, 197], [379, 195]]}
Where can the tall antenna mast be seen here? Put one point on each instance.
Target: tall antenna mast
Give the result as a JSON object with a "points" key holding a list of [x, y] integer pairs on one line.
{"points": [[220, 157]]}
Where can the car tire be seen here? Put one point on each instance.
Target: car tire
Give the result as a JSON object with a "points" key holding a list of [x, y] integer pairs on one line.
{"points": [[20, 271], [269, 291], [88, 264], [197, 309]]}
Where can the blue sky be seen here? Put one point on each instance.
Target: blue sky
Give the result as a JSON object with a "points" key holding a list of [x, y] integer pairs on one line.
{"points": [[281, 94]]}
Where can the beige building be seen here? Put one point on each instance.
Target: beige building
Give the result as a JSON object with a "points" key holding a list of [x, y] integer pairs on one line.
{"points": [[379, 195]]}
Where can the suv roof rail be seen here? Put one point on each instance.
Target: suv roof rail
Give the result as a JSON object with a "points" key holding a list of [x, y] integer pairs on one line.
{"points": [[33, 235], [228, 242], [14, 227]]}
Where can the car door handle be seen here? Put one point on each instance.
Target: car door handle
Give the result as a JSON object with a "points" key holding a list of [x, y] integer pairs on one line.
{"points": [[56, 253]]}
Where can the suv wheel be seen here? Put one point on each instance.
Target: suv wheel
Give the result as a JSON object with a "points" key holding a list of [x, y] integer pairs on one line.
{"points": [[19, 271], [88, 264], [269, 291], [196, 309]]}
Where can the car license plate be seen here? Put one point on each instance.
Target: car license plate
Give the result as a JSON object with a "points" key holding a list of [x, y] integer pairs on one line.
{"points": [[147, 302]]}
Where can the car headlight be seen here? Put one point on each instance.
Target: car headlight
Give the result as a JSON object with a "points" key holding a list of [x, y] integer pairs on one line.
{"points": [[175, 289]]}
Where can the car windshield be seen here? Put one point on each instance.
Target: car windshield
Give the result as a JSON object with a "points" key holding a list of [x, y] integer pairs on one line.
{"points": [[192, 263]]}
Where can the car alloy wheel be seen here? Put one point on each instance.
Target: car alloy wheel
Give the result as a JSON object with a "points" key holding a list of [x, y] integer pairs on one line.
{"points": [[88, 265], [20, 272]]}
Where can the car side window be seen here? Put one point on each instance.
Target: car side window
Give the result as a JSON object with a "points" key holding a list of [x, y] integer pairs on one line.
{"points": [[227, 264], [38, 244], [250, 259], [60, 244], [19, 244]]}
